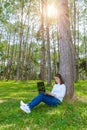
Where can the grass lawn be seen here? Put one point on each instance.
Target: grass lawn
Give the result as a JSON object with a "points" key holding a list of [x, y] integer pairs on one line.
{"points": [[67, 116]]}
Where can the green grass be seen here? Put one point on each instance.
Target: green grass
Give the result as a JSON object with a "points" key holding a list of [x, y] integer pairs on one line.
{"points": [[67, 116]]}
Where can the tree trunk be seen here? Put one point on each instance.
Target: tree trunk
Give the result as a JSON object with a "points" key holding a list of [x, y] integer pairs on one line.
{"points": [[58, 46], [8, 52], [28, 61], [85, 44], [66, 66], [77, 49], [54, 56], [23, 76], [11, 58], [74, 35], [20, 46], [48, 47], [43, 61]]}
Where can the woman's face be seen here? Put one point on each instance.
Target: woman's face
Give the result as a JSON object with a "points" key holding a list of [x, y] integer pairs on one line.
{"points": [[57, 80]]}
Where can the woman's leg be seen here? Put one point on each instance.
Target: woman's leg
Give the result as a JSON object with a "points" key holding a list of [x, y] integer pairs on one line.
{"points": [[37, 100], [49, 100]]}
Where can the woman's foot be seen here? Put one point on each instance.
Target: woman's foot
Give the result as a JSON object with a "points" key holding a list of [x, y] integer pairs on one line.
{"points": [[22, 103], [24, 107]]}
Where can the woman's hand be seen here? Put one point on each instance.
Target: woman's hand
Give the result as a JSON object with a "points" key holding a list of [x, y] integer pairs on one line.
{"points": [[48, 93]]}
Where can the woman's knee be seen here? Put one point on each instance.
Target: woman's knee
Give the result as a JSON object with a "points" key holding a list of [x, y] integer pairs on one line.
{"points": [[41, 95]]}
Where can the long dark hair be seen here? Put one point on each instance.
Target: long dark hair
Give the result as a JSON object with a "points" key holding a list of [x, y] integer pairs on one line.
{"points": [[60, 77]]}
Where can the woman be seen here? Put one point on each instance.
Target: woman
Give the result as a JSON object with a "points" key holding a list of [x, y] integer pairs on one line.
{"points": [[52, 98]]}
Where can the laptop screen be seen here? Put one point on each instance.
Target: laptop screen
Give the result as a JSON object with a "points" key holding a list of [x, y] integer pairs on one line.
{"points": [[41, 87]]}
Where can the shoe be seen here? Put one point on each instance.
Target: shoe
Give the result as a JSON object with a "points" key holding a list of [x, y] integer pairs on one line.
{"points": [[22, 103], [25, 108]]}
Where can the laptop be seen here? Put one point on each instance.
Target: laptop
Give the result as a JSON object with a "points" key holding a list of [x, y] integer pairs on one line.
{"points": [[41, 87]]}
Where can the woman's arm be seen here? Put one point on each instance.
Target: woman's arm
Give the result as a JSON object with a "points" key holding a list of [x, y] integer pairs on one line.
{"points": [[51, 94]]}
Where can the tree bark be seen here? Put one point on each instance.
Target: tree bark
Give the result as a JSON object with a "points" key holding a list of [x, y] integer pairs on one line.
{"points": [[43, 61], [20, 46], [74, 35], [85, 44], [54, 56], [77, 49], [8, 53], [48, 47], [66, 66]]}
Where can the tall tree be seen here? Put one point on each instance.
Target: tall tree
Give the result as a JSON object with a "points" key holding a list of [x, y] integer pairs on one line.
{"points": [[21, 41], [54, 55], [74, 35], [43, 61], [85, 43], [66, 48], [48, 47], [23, 76], [77, 62]]}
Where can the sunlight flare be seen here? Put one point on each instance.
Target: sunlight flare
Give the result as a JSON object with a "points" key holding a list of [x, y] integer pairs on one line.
{"points": [[52, 11]]}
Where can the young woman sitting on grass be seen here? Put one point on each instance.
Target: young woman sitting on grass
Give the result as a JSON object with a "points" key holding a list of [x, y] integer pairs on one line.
{"points": [[52, 98]]}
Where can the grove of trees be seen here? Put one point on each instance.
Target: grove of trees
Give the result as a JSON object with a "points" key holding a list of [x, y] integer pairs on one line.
{"points": [[39, 38]]}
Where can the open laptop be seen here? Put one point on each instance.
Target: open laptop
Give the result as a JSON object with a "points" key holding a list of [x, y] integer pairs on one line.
{"points": [[41, 87]]}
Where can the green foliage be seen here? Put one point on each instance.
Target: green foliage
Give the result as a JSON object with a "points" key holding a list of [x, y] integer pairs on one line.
{"points": [[3, 46], [82, 64], [20, 21], [67, 116]]}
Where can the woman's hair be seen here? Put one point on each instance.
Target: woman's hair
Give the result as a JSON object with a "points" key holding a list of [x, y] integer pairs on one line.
{"points": [[60, 77]]}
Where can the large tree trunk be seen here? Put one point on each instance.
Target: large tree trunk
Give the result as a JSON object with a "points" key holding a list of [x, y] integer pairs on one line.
{"points": [[66, 48]]}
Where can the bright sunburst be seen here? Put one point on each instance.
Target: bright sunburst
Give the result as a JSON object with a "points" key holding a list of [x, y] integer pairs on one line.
{"points": [[52, 11]]}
